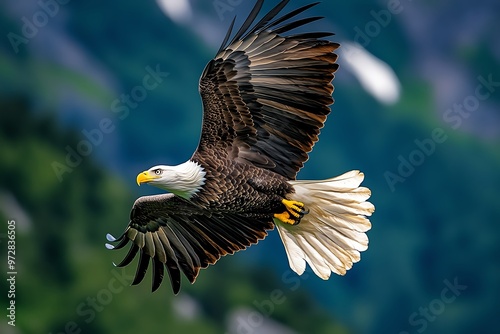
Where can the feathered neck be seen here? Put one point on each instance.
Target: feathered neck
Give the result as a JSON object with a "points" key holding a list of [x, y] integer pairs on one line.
{"points": [[183, 180]]}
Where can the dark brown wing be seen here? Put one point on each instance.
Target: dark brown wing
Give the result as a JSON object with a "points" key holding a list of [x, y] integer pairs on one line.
{"points": [[174, 234], [266, 95]]}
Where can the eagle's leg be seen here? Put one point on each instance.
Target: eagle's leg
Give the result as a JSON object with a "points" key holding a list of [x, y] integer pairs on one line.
{"points": [[294, 211]]}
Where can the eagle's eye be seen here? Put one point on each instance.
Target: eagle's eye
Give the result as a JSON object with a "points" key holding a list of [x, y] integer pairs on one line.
{"points": [[158, 171]]}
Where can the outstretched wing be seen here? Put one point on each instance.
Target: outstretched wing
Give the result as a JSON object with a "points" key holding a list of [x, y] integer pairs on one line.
{"points": [[174, 234], [266, 95]]}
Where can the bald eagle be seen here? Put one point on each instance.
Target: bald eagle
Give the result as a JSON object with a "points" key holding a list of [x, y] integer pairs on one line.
{"points": [[265, 95]]}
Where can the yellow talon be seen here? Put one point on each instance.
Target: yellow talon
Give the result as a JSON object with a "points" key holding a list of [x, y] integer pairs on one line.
{"points": [[284, 217], [294, 207], [293, 213]]}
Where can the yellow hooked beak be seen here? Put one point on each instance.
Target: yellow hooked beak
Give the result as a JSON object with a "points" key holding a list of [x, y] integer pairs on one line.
{"points": [[146, 177]]}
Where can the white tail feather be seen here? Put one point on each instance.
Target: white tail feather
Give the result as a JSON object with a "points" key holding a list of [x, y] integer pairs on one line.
{"points": [[330, 237]]}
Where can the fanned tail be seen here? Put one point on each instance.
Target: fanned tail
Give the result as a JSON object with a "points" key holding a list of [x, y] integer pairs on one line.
{"points": [[331, 237]]}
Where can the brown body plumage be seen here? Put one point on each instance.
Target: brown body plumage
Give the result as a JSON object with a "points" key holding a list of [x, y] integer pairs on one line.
{"points": [[266, 95], [242, 188]]}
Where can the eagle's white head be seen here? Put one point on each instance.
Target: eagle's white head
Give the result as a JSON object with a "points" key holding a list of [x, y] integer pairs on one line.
{"points": [[183, 180]]}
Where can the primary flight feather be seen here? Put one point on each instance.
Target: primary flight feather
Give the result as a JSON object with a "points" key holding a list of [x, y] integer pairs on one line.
{"points": [[266, 95]]}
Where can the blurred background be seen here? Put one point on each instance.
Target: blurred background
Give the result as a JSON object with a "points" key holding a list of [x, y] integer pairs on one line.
{"points": [[93, 92]]}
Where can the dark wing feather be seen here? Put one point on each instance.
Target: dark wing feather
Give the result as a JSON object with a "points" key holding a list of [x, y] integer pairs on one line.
{"points": [[174, 234], [266, 95]]}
